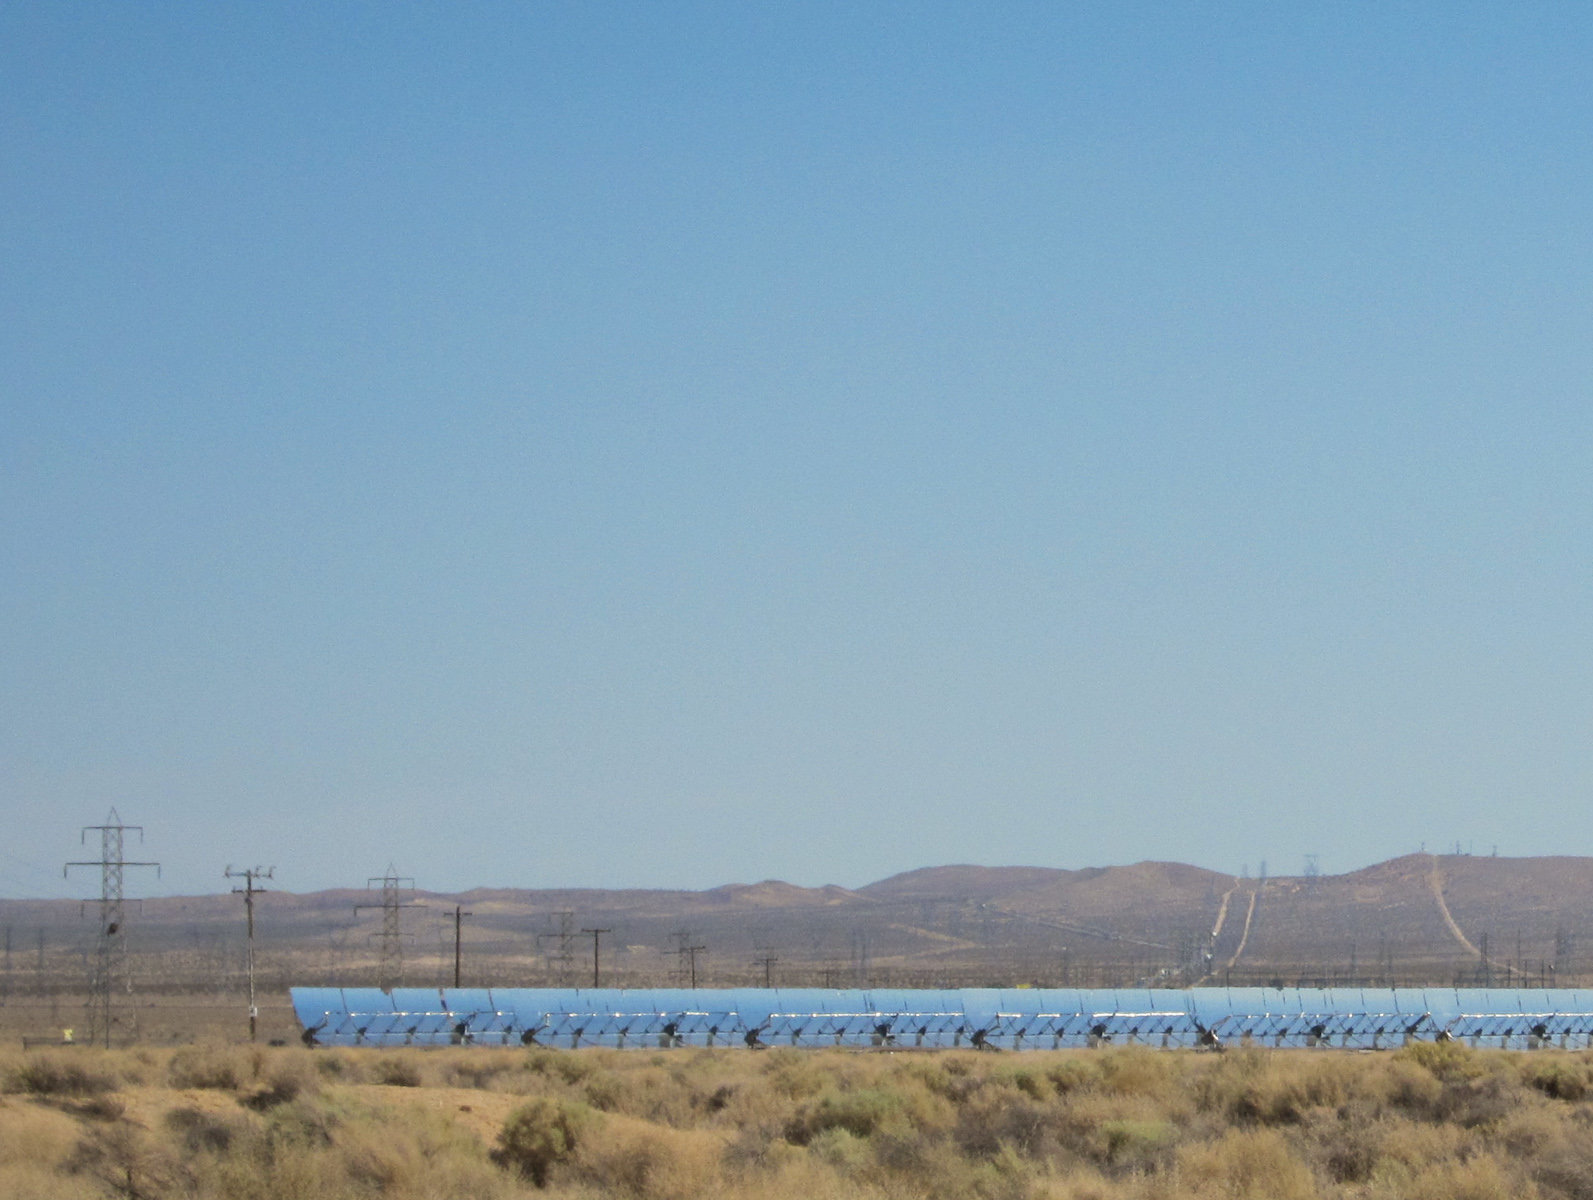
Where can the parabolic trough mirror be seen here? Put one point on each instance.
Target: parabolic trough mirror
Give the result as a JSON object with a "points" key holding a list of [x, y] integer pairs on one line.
{"points": [[1016, 1019]]}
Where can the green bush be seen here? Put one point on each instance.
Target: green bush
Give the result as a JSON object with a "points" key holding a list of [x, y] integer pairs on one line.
{"points": [[861, 1113], [1450, 1062], [540, 1135], [1138, 1145]]}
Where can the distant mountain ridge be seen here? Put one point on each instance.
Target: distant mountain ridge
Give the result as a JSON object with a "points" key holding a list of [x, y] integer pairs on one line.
{"points": [[1420, 917]]}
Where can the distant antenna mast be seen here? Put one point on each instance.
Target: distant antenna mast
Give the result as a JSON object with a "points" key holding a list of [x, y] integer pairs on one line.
{"points": [[110, 959], [1313, 873], [390, 973], [247, 891]]}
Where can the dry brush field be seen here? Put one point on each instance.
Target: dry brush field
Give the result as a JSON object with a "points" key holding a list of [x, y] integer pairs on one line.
{"points": [[243, 1123]]}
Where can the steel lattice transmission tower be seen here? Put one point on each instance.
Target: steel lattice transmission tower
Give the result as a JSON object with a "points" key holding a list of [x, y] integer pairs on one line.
{"points": [[562, 960], [390, 972], [110, 958]]}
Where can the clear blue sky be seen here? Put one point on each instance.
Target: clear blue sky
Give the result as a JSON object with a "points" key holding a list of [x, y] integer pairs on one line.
{"points": [[668, 444]]}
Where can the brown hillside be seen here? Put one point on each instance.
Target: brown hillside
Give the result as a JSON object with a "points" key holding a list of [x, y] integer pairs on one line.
{"points": [[1415, 919]]}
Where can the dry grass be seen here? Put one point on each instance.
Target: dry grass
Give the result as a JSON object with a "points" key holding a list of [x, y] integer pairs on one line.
{"points": [[230, 1122]]}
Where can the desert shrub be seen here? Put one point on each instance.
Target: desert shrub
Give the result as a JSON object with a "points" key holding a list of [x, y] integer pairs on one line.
{"points": [[125, 1161], [1138, 1146], [1406, 1149], [1006, 1176], [301, 1123], [1245, 1164], [717, 1100], [923, 1071], [1534, 1130], [1448, 1061], [1345, 1145], [478, 1069], [286, 1076], [540, 1135], [1479, 1178], [396, 1070], [225, 1068], [1080, 1128], [1072, 1075], [338, 1064], [999, 1118], [606, 1092], [1284, 1088], [376, 1161], [1031, 1081], [1070, 1125], [644, 1162], [1137, 1071], [673, 1097], [1411, 1088], [753, 1150], [1482, 1101], [1564, 1168], [752, 1102], [907, 1153], [860, 1113], [58, 1074], [1559, 1077], [796, 1074], [569, 1067], [1220, 1079], [540, 1060], [341, 1150], [35, 1135], [959, 1087], [841, 1149], [101, 1107], [198, 1131]]}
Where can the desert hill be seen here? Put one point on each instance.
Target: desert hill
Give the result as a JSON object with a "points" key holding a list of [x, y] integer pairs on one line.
{"points": [[1418, 918]]}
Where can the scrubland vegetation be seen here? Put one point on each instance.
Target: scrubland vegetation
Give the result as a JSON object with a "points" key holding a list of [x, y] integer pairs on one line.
{"points": [[243, 1123]]}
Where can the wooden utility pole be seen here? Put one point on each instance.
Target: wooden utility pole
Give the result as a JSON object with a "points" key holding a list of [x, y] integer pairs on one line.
{"points": [[768, 961], [247, 891], [691, 953], [597, 936], [459, 915]]}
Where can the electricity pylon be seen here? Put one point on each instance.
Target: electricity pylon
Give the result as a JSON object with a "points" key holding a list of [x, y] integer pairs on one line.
{"points": [[110, 958], [390, 973]]}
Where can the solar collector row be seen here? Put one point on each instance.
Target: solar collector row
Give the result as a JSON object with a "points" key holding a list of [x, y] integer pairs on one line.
{"points": [[1011, 1019]]}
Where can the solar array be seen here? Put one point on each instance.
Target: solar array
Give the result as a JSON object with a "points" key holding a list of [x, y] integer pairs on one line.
{"points": [[1017, 1019]]}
